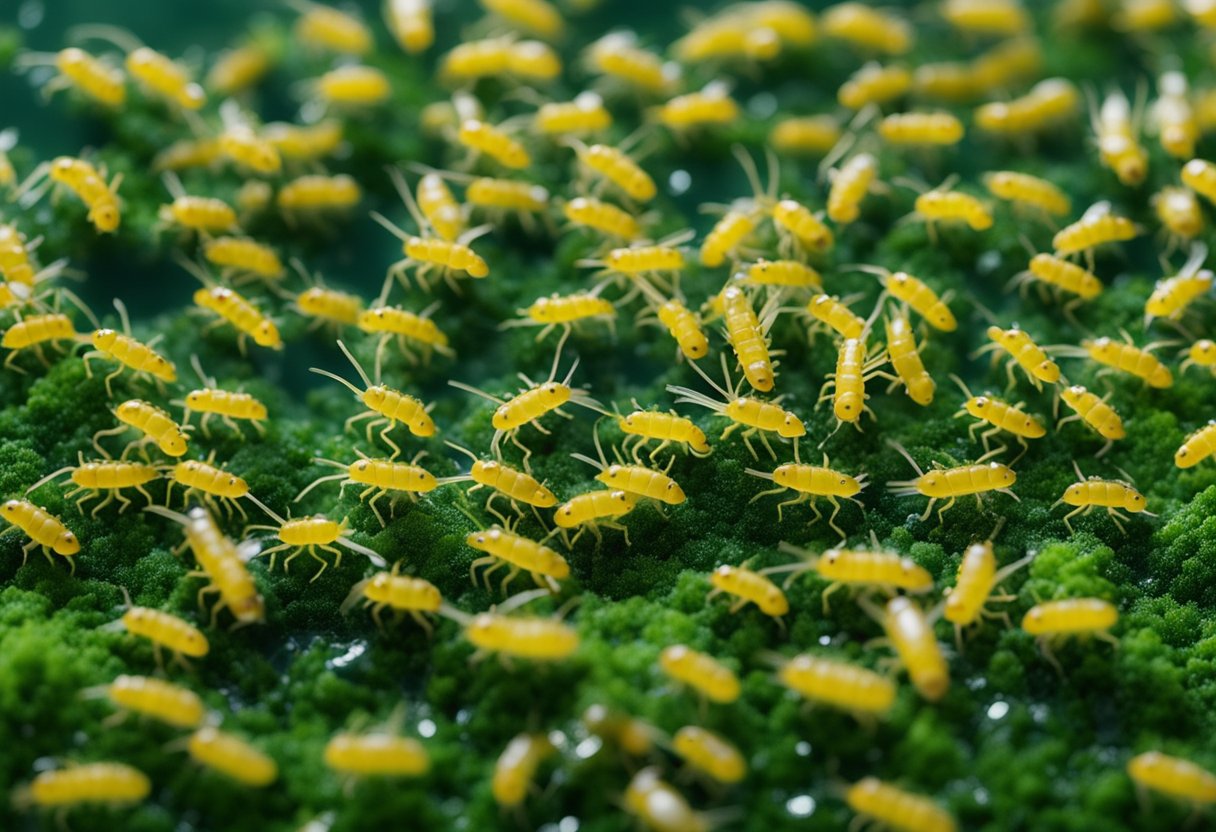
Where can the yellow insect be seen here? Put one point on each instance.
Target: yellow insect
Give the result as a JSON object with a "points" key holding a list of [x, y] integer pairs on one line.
{"points": [[1048, 103], [156, 73], [411, 330], [350, 87], [515, 770], [614, 166], [128, 352], [831, 310], [805, 135], [232, 757], [531, 404], [873, 568], [307, 534], [1202, 353], [500, 198], [439, 207], [748, 587], [780, 274], [867, 28], [229, 405], [539, 17], [87, 182], [1063, 277], [1112, 495], [107, 784], [1083, 618], [163, 701], [949, 81], [504, 480], [978, 576], [617, 56], [874, 84], [254, 197], [709, 107], [727, 237], [846, 387], [304, 143], [656, 804], [1002, 18], [411, 23], [1200, 176], [703, 673], [728, 35], [841, 685], [1172, 296], [1173, 776], [850, 184], [248, 321], [634, 479], [748, 337], [400, 593], [482, 139], [584, 114], [1172, 116], [1126, 357], [504, 547], [316, 195], [381, 476], [76, 69], [680, 322], [429, 253], [214, 484], [223, 564], [204, 214], [518, 636], [1197, 447], [1009, 62], [710, 754], [165, 630], [32, 332], [16, 265], [1177, 210], [91, 478], [631, 735], [603, 217], [644, 266], [1022, 189], [945, 205], [240, 143], [811, 482], [645, 425], [239, 257], [1023, 352], [917, 295], [997, 416], [376, 754], [43, 529], [326, 28], [523, 60], [565, 311], [240, 68], [1095, 412], [890, 806], [906, 361], [154, 424], [936, 129], [951, 483], [1117, 134], [910, 634], [593, 510], [329, 307], [189, 153]]}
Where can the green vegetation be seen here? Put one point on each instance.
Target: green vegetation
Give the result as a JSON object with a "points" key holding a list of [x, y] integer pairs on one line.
{"points": [[1011, 746]]}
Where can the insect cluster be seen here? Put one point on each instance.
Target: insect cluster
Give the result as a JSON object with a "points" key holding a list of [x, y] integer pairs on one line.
{"points": [[529, 143]]}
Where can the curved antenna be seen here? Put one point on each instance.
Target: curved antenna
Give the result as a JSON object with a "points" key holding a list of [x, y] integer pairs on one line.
{"points": [[389, 225], [355, 364], [79, 304], [904, 453], [198, 368], [520, 599], [962, 385], [269, 511], [403, 188], [460, 385], [119, 37], [48, 478], [123, 317], [461, 449], [338, 379], [557, 357]]}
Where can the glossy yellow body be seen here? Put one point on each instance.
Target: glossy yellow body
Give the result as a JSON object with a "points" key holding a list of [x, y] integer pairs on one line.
{"points": [[592, 506], [95, 78], [411, 23], [376, 755], [1172, 296], [1072, 616], [393, 320], [330, 305], [1094, 411], [317, 193], [1178, 211], [748, 338], [868, 28], [712, 106], [116, 784], [237, 70], [133, 354], [863, 567], [512, 484], [897, 809], [520, 552], [1031, 191], [386, 475], [353, 86], [1173, 776], [38, 329], [163, 701], [603, 217], [530, 405], [727, 234], [922, 299], [953, 206], [838, 684], [618, 56], [522, 637], [243, 255], [507, 195], [829, 310], [242, 314], [155, 424], [1130, 359], [709, 753], [326, 28], [1093, 230], [209, 479], [874, 84], [702, 673], [1028, 355], [805, 136], [665, 427], [1119, 147], [1066, 276], [850, 184], [199, 213], [685, 327], [928, 128], [1197, 447], [750, 587], [231, 756], [166, 630], [586, 113], [1046, 104], [515, 769], [1005, 416], [642, 481], [440, 208], [1200, 176], [42, 527], [617, 167], [165, 78], [905, 359], [657, 805], [234, 405], [912, 638], [455, 256], [797, 221]]}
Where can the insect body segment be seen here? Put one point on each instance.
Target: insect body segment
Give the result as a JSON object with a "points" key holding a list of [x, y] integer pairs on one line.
{"points": [[1197, 447], [400, 593], [110, 476], [748, 587], [43, 528], [517, 553], [232, 757], [951, 483], [1081, 618], [838, 684], [703, 673], [376, 755], [160, 700], [810, 482], [709, 753], [1173, 776], [115, 784], [1113, 495], [906, 361], [897, 809], [516, 767]]}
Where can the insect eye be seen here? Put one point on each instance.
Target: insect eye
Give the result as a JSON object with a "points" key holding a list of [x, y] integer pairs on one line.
{"points": [[842, 480]]}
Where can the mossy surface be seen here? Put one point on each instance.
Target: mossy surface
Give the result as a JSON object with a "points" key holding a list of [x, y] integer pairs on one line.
{"points": [[1013, 745]]}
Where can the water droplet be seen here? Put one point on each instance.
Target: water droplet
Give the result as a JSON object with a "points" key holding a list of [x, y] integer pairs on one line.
{"points": [[803, 749], [998, 709], [801, 806], [824, 641], [588, 747], [353, 652], [568, 824], [426, 728], [679, 182], [30, 14], [762, 105]]}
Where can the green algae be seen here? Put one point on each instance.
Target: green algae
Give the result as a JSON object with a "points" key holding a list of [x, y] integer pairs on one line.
{"points": [[1011, 746]]}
